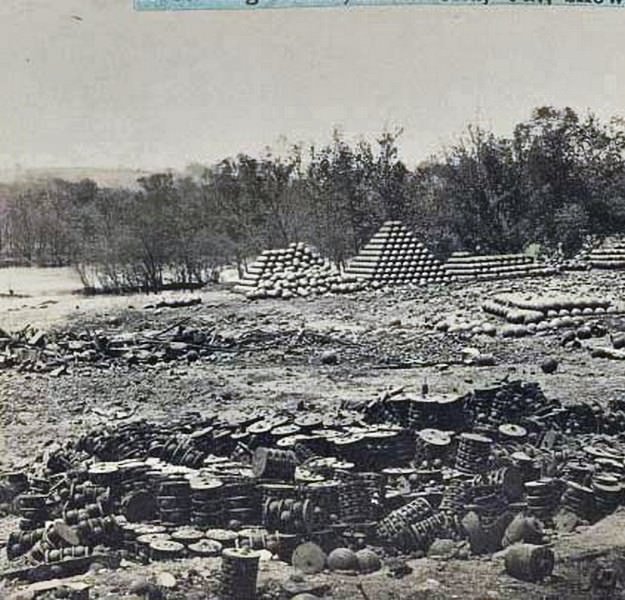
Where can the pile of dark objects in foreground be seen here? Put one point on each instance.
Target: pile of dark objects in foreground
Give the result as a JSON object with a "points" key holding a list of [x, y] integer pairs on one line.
{"points": [[501, 467]]}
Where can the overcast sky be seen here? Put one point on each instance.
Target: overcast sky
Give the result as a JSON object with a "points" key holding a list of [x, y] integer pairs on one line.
{"points": [[116, 88]]}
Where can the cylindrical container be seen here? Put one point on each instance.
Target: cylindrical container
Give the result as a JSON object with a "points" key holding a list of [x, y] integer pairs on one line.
{"points": [[239, 572], [529, 562], [473, 454], [268, 463], [225, 537], [165, 549]]}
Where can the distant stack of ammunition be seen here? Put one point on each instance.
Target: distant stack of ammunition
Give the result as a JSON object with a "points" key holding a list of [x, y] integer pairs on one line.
{"points": [[394, 256]]}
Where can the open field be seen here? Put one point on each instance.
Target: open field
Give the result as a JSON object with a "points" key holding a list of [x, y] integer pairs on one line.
{"points": [[382, 340]]}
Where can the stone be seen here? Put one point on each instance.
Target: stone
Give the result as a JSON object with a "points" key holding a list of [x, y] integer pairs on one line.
{"points": [[329, 357]]}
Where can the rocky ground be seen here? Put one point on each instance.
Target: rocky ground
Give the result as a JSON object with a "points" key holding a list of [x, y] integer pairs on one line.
{"points": [[321, 351]]}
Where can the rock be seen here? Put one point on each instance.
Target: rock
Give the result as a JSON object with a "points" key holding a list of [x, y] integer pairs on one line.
{"points": [[429, 585], [568, 337], [549, 365], [166, 580], [368, 561], [442, 548], [618, 341], [142, 587], [484, 360], [565, 522], [195, 595], [21, 595], [139, 586], [297, 584], [329, 357], [523, 529], [398, 568], [38, 340]]}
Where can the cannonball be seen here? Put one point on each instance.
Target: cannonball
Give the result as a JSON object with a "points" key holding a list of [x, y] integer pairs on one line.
{"points": [[549, 365], [368, 561], [343, 559]]}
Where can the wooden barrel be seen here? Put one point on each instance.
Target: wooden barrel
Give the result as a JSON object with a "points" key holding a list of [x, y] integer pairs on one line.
{"points": [[529, 562]]}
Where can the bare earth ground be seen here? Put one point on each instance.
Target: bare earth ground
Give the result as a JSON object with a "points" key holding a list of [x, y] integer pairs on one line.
{"points": [[373, 333]]}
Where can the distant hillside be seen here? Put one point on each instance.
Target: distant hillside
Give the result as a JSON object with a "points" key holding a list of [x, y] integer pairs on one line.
{"points": [[103, 177]]}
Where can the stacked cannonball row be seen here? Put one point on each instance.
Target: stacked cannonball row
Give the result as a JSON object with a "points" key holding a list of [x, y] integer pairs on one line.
{"points": [[465, 266], [294, 271], [538, 315], [609, 255], [394, 256], [536, 310]]}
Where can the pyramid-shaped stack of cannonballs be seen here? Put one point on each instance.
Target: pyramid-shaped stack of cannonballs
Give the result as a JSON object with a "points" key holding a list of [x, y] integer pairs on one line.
{"points": [[394, 255], [294, 271], [610, 254], [466, 266]]}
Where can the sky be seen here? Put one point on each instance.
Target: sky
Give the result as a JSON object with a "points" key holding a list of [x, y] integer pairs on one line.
{"points": [[92, 83]]}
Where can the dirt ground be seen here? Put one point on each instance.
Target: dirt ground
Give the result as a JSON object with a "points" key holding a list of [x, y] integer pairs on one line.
{"points": [[382, 339]]}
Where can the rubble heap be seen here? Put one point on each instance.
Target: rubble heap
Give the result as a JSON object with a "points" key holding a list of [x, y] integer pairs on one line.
{"points": [[294, 271], [394, 255], [465, 266], [491, 468]]}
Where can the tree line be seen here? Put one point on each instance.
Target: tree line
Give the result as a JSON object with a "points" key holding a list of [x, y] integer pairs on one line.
{"points": [[556, 178]]}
